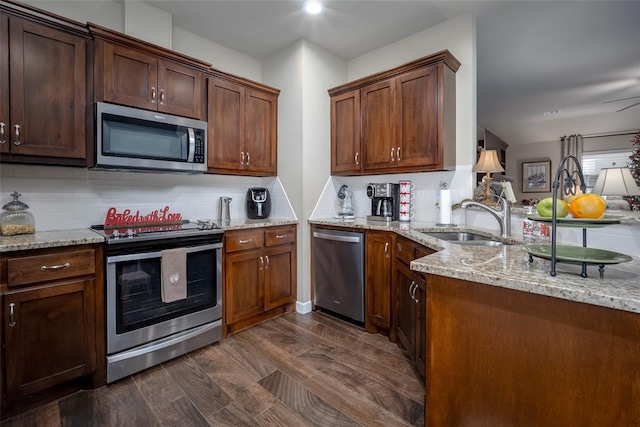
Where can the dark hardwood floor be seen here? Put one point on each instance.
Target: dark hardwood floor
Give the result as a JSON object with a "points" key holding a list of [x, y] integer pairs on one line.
{"points": [[295, 370]]}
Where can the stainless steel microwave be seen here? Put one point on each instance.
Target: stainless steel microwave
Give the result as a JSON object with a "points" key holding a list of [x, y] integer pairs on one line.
{"points": [[139, 140]]}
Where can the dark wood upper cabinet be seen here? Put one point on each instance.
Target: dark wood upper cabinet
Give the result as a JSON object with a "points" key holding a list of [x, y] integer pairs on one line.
{"points": [[44, 90], [400, 120], [138, 74], [242, 136]]}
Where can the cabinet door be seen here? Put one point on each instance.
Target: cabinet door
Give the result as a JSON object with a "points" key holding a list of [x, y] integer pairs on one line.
{"points": [[280, 275], [48, 78], [180, 90], [406, 308], [417, 113], [379, 126], [378, 283], [4, 83], [244, 285], [130, 77], [49, 336], [421, 323], [260, 123], [225, 131], [345, 133]]}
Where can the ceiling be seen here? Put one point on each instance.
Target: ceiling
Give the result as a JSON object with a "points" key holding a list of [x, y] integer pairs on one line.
{"points": [[533, 56]]}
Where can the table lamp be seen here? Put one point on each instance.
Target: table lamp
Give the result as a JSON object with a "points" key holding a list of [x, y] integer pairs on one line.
{"points": [[616, 182], [488, 162]]}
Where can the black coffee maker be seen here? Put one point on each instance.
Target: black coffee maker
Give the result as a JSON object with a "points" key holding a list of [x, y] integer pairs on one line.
{"points": [[258, 203], [385, 201]]}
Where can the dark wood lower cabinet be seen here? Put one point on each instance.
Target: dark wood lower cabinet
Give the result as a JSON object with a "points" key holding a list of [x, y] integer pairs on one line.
{"points": [[502, 357], [53, 324], [378, 282]]}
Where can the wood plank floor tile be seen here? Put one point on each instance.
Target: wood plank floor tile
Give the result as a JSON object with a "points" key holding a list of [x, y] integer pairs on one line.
{"points": [[180, 413], [279, 358], [247, 362], [306, 405], [363, 386], [47, 416], [279, 415], [232, 415], [205, 394], [121, 405], [76, 409], [289, 337], [158, 387]]}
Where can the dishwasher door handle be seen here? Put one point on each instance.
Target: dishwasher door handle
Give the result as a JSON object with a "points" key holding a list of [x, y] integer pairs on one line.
{"points": [[337, 238]]}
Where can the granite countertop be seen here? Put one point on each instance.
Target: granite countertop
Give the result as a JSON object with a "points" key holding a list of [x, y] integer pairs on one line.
{"points": [[508, 266], [85, 236]]}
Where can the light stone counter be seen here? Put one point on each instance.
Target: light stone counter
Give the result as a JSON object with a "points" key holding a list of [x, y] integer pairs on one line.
{"points": [[49, 239], [508, 266], [84, 236]]}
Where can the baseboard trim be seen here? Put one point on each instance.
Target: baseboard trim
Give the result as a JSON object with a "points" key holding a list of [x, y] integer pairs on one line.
{"points": [[303, 307]]}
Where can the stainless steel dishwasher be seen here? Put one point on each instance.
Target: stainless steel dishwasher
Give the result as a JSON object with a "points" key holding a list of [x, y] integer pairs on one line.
{"points": [[338, 272]]}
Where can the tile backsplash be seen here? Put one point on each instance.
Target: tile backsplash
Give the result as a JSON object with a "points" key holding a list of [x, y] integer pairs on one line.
{"points": [[63, 198]]}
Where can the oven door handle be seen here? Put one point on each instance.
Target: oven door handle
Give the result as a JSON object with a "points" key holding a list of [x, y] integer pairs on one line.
{"points": [[158, 254]]}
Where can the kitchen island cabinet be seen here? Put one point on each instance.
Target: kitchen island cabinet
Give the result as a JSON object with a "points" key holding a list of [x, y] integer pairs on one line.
{"points": [[260, 274], [137, 74], [53, 323], [499, 356], [243, 121], [45, 116]]}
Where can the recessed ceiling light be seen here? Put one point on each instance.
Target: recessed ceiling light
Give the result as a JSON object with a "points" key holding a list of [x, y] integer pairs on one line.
{"points": [[313, 7], [552, 113]]}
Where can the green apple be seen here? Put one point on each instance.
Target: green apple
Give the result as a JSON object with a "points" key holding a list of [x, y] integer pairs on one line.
{"points": [[545, 207]]}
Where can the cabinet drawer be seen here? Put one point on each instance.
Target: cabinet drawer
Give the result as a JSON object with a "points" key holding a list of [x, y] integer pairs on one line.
{"points": [[46, 267], [279, 236], [242, 240], [405, 251]]}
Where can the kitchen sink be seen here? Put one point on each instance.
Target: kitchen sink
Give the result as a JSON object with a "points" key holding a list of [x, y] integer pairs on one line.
{"points": [[464, 238]]}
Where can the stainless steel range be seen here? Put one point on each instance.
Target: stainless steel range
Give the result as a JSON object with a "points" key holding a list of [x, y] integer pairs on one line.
{"points": [[142, 330]]}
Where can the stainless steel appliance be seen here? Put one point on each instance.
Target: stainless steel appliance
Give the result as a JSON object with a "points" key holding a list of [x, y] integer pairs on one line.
{"points": [[133, 139], [143, 331], [258, 203], [338, 272], [385, 201]]}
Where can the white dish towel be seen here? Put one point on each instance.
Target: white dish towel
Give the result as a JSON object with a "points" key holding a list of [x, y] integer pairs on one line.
{"points": [[174, 274]]}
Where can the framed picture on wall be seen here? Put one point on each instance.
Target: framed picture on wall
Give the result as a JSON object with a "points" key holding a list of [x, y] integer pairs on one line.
{"points": [[536, 176]]}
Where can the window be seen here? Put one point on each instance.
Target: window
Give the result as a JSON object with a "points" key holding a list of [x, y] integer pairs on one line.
{"points": [[593, 161]]}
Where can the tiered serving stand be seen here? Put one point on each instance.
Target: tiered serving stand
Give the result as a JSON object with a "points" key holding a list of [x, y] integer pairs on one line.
{"points": [[566, 253]]}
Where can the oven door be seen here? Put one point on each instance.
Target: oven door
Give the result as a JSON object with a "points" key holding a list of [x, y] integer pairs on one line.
{"points": [[136, 314]]}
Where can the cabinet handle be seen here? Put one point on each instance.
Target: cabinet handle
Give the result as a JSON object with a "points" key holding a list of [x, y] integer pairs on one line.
{"points": [[55, 267], [242, 157], [267, 257], [161, 96], [153, 95], [386, 250], [356, 157], [17, 141], [242, 242], [398, 153], [411, 289], [12, 313], [2, 141], [393, 150], [280, 236], [261, 263], [248, 158]]}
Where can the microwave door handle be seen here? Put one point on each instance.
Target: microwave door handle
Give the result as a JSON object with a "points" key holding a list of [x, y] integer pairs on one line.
{"points": [[192, 145]]}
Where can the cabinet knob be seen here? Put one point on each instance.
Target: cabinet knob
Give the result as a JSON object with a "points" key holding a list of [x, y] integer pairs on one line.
{"points": [[17, 140], [2, 141], [12, 313]]}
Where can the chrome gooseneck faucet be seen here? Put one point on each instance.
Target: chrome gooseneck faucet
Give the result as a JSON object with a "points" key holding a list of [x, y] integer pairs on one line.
{"points": [[503, 215]]}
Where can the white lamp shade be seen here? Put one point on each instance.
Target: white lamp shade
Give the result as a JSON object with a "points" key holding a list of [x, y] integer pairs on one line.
{"points": [[616, 182], [488, 162]]}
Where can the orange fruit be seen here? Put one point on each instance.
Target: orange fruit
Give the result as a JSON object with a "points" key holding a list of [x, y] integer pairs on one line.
{"points": [[587, 206]]}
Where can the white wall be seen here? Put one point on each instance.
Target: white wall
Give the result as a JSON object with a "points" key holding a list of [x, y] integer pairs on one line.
{"points": [[106, 13]]}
